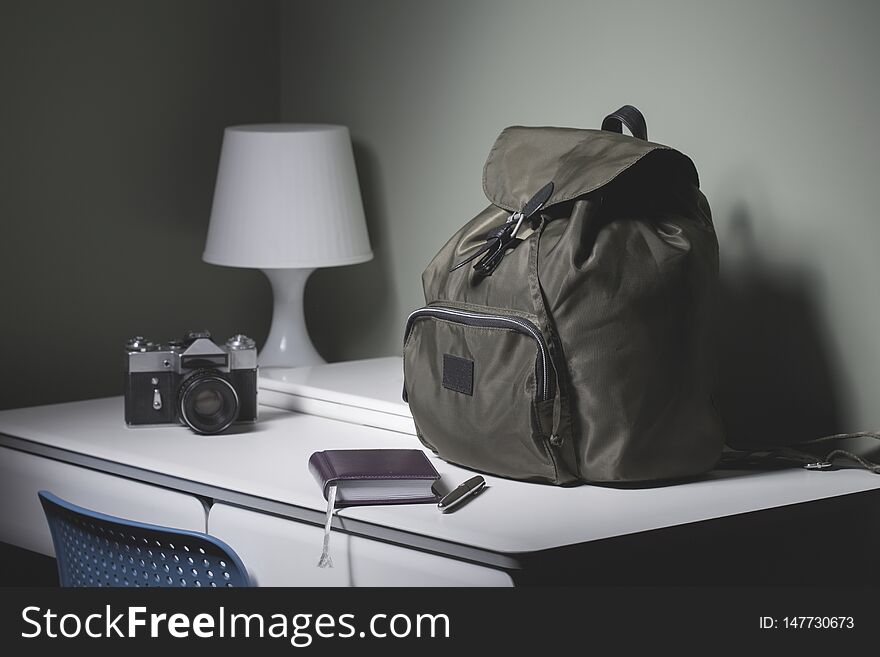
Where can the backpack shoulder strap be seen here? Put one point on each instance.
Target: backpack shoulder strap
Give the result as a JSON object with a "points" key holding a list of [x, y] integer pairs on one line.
{"points": [[793, 455]]}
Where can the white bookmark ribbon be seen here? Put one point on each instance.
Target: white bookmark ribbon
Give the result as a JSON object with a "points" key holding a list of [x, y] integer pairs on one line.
{"points": [[325, 561]]}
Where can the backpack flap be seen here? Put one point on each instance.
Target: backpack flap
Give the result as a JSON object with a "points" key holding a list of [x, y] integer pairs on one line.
{"points": [[577, 162]]}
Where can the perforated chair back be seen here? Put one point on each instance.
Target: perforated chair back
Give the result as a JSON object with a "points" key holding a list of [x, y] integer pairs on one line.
{"points": [[93, 549]]}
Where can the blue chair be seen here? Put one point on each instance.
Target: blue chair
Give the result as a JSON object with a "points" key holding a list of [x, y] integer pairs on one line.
{"points": [[93, 549]]}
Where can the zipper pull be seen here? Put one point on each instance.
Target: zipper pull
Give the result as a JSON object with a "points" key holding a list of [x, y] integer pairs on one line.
{"points": [[494, 239]]}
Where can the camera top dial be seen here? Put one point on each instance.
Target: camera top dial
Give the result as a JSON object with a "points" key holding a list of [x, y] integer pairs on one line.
{"points": [[140, 343], [240, 341]]}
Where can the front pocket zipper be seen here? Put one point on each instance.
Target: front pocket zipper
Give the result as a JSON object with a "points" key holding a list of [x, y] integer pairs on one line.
{"points": [[543, 364]]}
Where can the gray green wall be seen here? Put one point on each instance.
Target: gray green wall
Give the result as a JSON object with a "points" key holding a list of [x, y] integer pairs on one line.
{"points": [[111, 119], [776, 101]]}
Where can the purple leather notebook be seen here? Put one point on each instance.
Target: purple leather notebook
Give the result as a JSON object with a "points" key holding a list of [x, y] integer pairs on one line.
{"points": [[375, 476]]}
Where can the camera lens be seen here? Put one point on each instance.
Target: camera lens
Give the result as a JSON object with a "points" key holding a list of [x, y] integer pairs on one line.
{"points": [[208, 402]]}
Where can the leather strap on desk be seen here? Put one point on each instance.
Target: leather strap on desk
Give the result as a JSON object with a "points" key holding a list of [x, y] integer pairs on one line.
{"points": [[733, 458]]}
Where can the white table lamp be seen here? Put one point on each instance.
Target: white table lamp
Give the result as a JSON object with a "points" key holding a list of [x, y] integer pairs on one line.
{"points": [[286, 202]]}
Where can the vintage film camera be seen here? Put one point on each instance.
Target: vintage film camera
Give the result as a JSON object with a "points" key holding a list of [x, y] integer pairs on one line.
{"points": [[193, 381]]}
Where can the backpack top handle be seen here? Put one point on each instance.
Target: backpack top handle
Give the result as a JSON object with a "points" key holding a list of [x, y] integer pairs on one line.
{"points": [[627, 116]]}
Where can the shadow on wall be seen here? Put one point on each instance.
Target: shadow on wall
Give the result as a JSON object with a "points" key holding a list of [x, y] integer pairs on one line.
{"points": [[345, 305], [776, 385]]}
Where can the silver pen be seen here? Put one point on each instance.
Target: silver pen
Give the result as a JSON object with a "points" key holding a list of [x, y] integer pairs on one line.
{"points": [[463, 492]]}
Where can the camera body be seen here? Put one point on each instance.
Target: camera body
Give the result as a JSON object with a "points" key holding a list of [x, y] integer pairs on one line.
{"points": [[193, 381]]}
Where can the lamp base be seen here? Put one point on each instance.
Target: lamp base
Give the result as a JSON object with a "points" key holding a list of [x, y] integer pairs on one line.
{"points": [[288, 344]]}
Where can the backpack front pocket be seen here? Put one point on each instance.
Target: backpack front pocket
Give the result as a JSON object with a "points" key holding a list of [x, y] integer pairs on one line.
{"points": [[480, 386]]}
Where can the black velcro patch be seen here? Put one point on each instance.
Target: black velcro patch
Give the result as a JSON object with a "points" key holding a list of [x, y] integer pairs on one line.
{"points": [[458, 374]]}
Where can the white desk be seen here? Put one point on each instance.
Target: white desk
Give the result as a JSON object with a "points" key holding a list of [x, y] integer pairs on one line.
{"points": [[262, 469]]}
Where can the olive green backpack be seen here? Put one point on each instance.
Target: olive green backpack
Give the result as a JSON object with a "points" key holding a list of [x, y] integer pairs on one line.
{"points": [[568, 330]]}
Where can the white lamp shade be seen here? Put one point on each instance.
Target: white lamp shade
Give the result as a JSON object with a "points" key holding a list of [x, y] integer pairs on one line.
{"points": [[287, 196]]}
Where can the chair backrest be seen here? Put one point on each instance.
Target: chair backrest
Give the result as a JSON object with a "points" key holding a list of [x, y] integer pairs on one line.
{"points": [[93, 549]]}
